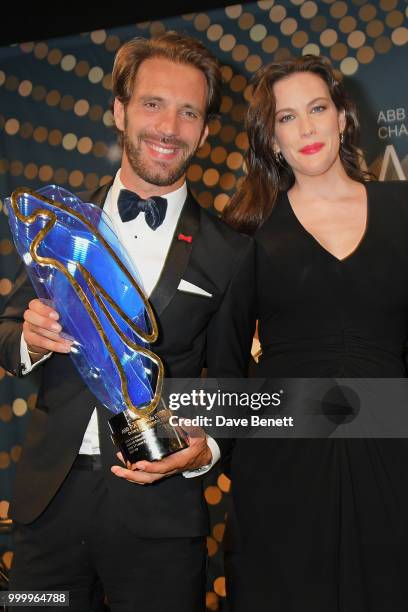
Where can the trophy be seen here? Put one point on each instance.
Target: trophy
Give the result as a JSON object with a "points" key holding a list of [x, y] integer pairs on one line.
{"points": [[76, 263]]}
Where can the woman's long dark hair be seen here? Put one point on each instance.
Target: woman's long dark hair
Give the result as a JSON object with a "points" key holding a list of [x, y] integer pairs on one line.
{"points": [[267, 176]]}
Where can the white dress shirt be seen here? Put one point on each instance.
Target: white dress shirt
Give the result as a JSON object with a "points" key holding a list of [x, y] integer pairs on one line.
{"points": [[148, 250]]}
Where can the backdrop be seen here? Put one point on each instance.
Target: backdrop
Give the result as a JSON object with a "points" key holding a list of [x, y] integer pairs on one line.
{"points": [[56, 127]]}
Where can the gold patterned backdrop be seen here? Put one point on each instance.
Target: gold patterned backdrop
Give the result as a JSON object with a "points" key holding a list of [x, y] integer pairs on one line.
{"points": [[56, 127]]}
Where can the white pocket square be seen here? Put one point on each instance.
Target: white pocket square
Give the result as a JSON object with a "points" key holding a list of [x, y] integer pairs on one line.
{"points": [[190, 288]]}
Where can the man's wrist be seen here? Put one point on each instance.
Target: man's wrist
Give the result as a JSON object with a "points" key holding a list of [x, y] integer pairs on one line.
{"points": [[36, 355], [212, 453], [32, 352]]}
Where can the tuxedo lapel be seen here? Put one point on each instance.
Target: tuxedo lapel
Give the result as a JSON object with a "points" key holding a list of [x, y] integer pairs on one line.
{"points": [[98, 196], [178, 255], [179, 252]]}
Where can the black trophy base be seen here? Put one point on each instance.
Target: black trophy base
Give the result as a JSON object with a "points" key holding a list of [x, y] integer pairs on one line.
{"points": [[148, 438]]}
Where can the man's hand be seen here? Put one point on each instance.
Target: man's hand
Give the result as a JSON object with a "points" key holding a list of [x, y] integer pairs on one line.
{"points": [[42, 332], [146, 472]]}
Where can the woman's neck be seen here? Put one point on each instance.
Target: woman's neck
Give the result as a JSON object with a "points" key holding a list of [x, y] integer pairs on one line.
{"points": [[327, 186]]}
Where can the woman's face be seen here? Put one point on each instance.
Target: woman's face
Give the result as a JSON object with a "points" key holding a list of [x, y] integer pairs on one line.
{"points": [[307, 124]]}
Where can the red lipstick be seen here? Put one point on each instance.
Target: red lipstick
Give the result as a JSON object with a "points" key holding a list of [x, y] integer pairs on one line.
{"points": [[312, 148]]}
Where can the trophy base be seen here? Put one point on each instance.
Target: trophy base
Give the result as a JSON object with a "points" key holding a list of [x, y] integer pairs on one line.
{"points": [[148, 438]]}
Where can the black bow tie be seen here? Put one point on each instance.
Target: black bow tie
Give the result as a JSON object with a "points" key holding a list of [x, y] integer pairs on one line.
{"points": [[130, 205]]}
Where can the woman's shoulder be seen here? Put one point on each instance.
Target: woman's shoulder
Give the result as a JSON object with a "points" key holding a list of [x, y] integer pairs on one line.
{"points": [[389, 201], [389, 191], [276, 216]]}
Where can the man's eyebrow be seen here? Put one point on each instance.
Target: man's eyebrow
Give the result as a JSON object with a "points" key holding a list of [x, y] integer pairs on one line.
{"points": [[146, 97]]}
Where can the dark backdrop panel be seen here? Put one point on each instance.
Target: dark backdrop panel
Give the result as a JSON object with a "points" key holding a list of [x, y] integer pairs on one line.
{"points": [[56, 127]]}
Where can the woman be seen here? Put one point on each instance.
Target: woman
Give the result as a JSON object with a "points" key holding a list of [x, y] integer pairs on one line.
{"points": [[320, 525]]}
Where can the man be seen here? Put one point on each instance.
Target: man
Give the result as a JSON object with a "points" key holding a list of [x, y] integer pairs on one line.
{"points": [[79, 524]]}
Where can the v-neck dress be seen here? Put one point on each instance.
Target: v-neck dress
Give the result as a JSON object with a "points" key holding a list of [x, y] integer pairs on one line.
{"points": [[324, 522]]}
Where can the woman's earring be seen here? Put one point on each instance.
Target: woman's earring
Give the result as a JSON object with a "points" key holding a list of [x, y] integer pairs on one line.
{"points": [[341, 138], [278, 157]]}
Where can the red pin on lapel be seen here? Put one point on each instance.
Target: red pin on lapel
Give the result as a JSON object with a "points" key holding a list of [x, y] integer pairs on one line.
{"points": [[185, 238]]}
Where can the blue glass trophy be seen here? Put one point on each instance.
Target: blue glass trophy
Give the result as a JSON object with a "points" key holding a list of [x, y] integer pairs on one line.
{"points": [[76, 263]]}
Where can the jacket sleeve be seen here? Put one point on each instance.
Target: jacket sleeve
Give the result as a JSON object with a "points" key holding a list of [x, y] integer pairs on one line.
{"points": [[11, 322], [231, 330]]}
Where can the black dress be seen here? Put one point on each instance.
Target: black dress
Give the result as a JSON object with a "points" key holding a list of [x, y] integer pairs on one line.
{"points": [[321, 525]]}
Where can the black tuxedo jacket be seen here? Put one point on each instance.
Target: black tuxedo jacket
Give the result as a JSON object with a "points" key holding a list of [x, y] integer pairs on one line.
{"points": [[195, 332]]}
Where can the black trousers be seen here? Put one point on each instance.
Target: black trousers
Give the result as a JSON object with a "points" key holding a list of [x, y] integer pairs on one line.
{"points": [[77, 545]]}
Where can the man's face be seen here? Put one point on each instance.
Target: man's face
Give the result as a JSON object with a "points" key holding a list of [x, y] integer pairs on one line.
{"points": [[163, 124]]}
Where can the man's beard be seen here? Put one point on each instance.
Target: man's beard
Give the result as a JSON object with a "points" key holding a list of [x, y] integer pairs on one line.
{"points": [[168, 176]]}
